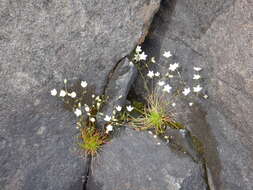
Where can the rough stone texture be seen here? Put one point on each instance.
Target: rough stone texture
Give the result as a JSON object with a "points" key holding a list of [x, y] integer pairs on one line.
{"points": [[216, 35], [118, 87], [37, 150], [41, 43], [133, 160], [184, 141]]}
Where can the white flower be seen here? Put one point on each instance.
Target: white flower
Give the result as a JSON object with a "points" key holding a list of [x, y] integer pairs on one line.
{"points": [[136, 57], [171, 76], [87, 109], [153, 59], [114, 119], [161, 83], [157, 74], [155, 136], [98, 99], [138, 49], [174, 66], [167, 88], [196, 77], [150, 132], [62, 93], [197, 68], [93, 95], [182, 131], [186, 91], [109, 128], [72, 94], [143, 56], [78, 112], [167, 54], [65, 81], [190, 103], [158, 143], [129, 108], [54, 92], [173, 104], [107, 118], [205, 96], [150, 74], [197, 88], [118, 108], [92, 119], [84, 84]]}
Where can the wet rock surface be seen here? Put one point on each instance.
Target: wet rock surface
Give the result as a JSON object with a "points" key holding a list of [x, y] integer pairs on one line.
{"points": [[133, 160], [41, 43], [216, 36]]}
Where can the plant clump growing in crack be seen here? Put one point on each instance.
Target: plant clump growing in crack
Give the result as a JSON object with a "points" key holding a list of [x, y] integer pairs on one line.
{"points": [[163, 90], [90, 138], [155, 116]]}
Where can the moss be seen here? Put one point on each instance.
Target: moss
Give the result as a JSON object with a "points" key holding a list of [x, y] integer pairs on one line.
{"points": [[199, 147]]}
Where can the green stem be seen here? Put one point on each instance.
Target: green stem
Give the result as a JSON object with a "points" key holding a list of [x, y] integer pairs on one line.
{"points": [[142, 112]]}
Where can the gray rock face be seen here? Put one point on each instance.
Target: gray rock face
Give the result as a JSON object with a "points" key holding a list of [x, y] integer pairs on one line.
{"points": [[215, 35], [38, 151], [41, 43], [133, 160], [118, 87]]}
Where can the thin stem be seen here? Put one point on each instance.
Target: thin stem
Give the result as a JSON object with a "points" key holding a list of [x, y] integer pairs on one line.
{"points": [[142, 112], [144, 81]]}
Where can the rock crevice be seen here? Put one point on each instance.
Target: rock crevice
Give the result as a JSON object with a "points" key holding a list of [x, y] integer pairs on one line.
{"points": [[213, 35]]}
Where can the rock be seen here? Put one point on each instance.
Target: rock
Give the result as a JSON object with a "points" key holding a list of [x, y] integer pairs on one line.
{"points": [[41, 43], [118, 87], [133, 160], [37, 149], [217, 37], [183, 140]]}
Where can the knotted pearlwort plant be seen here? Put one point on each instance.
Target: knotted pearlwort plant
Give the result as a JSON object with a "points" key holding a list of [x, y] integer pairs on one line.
{"points": [[156, 116], [91, 137], [164, 88]]}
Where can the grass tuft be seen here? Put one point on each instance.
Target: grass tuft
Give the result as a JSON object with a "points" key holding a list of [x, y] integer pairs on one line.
{"points": [[92, 140], [155, 116]]}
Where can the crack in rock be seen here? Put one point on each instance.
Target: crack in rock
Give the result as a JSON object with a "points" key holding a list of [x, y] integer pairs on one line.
{"points": [[87, 171], [117, 88], [110, 75]]}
